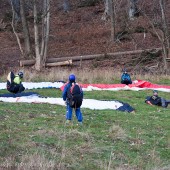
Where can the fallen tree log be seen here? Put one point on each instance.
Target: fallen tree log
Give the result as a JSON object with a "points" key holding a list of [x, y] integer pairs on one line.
{"points": [[23, 63], [32, 62], [61, 63], [52, 60], [85, 57], [168, 59]]}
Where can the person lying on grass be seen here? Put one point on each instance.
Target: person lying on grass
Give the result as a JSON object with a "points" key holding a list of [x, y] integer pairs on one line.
{"points": [[156, 100]]}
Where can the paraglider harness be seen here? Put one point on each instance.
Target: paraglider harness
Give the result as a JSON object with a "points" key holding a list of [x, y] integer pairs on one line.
{"points": [[10, 80], [75, 96]]}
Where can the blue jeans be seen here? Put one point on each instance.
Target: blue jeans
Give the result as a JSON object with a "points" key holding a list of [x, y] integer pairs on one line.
{"points": [[78, 113]]}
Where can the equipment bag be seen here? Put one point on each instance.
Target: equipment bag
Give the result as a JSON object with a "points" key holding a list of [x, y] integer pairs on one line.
{"points": [[75, 96]]}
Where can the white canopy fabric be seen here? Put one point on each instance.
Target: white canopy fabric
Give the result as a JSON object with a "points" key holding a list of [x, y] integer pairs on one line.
{"points": [[36, 85], [87, 103]]}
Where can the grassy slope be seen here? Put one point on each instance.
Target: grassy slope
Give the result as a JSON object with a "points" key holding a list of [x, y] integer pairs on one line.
{"points": [[36, 135]]}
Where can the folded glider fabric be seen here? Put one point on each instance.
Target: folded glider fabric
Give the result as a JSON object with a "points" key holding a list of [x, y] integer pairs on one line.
{"points": [[19, 94], [87, 103]]}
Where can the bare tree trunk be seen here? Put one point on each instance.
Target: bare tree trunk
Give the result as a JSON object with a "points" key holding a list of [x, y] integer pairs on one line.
{"points": [[113, 18], [165, 35], [38, 64], [164, 20], [45, 30], [106, 14], [16, 9], [28, 51], [133, 9], [13, 27]]}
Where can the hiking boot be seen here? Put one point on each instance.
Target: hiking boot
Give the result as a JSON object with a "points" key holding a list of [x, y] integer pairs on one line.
{"points": [[68, 122], [80, 123]]}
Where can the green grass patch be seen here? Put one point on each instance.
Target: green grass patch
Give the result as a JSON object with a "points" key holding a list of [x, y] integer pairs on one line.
{"points": [[35, 135]]}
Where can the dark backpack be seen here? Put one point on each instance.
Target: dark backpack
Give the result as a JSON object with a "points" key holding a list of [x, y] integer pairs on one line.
{"points": [[75, 96], [125, 79]]}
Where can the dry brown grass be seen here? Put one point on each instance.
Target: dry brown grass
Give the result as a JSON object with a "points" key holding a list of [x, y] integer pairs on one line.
{"points": [[36, 161], [31, 162], [116, 132], [85, 75]]}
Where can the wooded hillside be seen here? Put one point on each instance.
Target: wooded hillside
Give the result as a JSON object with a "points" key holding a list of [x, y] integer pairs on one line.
{"points": [[78, 29]]}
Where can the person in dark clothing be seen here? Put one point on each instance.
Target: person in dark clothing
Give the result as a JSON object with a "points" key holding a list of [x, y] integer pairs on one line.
{"points": [[72, 103], [14, 83], [125, 78], [156, 100]]}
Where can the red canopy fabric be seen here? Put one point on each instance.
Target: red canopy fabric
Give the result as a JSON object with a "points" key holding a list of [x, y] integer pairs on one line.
{"points": [[137, 85]]}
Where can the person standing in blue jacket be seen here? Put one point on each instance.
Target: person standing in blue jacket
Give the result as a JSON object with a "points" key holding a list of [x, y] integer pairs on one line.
{"points": [[79, 97]]}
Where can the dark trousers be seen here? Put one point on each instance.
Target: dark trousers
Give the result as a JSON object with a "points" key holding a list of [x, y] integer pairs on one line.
{"points": [[165, 102], [127, 82], [16, 88]]}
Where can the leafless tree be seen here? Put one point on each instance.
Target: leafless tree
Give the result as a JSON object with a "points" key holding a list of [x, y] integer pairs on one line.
{"points": [[165, 37], [16, 9], [45, 29], [13, 28], [160, 28], [113, 19], [109, 14], [133, 10], [28, 52], [41, 54], [38, 64]]}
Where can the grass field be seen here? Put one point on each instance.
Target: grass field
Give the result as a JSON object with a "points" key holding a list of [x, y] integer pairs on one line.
{"points": [[35, 136]]}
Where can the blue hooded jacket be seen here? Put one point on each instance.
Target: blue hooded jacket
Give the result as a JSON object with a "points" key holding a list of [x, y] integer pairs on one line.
{"points": [[66, 88]]}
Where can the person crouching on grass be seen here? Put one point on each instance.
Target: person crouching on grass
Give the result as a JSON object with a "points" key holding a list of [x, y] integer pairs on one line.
{"points": [[14, 82], [156, 100], [73, 96]]}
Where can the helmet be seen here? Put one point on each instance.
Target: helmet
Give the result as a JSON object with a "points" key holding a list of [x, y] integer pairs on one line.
{"points": [[72, 78], [124, 70], [155, 91], [21, 74]]}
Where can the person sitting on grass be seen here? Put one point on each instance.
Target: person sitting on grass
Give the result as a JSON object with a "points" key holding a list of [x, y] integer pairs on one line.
{"points": [[14, 82], [125, 78], [73, 96], [156, 100]]}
